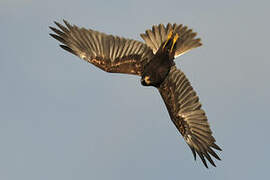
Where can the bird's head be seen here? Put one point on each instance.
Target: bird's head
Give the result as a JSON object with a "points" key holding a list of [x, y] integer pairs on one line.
{"points": [[145, 80]]}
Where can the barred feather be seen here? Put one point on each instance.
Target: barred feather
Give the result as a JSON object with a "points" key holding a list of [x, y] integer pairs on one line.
{"points": [[185, 111], [110, 53]]}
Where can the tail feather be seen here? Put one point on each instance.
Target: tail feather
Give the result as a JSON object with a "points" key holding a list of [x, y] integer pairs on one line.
{"points": [[158, 34]]}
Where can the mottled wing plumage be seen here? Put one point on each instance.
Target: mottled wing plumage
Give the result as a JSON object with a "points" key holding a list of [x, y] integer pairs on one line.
{"points": [[109, 53], [186, 113], [158, 34]]}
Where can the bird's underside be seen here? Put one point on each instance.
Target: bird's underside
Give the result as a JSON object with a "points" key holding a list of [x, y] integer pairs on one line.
{"points": [[120, 55]]}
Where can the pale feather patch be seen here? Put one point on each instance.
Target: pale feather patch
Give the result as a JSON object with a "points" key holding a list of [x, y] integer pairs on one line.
{"points": [[82, 55]]}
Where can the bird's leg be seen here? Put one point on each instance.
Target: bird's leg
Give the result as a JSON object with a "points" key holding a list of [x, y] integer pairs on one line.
{"points": [[175, 38], [168, 38]]}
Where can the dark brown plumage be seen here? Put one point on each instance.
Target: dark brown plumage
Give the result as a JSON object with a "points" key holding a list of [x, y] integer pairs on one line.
{"points": [[154, 62]]}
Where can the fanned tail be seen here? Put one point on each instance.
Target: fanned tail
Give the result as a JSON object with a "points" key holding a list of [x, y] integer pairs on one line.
{"points": [[159, 33]]}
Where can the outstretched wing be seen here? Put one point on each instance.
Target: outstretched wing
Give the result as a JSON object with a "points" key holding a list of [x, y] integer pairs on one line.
{"points": [[109, 53], [188, 117], [158, 34]]}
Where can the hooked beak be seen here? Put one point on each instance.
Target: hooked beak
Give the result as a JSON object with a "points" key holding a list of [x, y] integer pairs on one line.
{"points": [[145, 81]]}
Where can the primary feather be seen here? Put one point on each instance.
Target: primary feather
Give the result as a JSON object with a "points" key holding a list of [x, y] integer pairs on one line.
{"points": [[187, 115], [109, 53]]}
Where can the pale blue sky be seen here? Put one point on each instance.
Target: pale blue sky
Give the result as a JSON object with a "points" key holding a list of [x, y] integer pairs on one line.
{"points": [[62, 118]]}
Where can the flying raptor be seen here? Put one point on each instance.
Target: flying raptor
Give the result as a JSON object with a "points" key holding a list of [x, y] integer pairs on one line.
{"points": [[154, 62]]}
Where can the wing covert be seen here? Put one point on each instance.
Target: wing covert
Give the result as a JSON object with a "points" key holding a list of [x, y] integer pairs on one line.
{"points": [[187, 115], [109, 53]]}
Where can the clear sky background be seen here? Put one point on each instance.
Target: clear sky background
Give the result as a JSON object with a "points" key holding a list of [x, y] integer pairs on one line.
{"points": [[62, 118]]}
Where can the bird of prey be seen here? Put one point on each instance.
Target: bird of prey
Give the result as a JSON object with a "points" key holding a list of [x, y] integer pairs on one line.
{"points": [[154, 62]]}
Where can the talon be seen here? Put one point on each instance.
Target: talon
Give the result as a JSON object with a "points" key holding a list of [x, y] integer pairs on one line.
{"points": [[170, 34], [168, 37], [175, 38]]}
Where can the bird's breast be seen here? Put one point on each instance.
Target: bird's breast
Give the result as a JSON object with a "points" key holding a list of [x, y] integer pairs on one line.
{"points": [[157, 70]]}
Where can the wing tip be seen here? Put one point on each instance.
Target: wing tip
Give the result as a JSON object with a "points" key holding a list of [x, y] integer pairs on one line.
{"points": [[67, 49], [59, 38], [215, 146], [203, 159]]}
